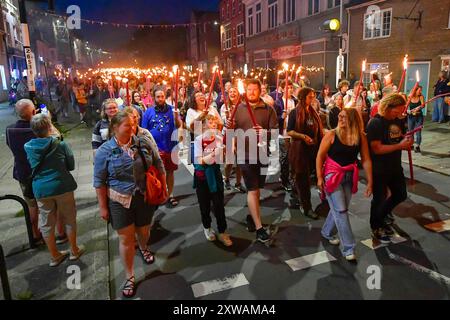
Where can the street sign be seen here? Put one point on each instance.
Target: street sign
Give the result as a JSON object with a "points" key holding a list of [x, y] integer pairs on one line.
{"points": [[344, 43], [31, 68], [339, 68]]}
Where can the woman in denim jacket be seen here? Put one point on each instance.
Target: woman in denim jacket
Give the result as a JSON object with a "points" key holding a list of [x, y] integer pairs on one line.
{"points": [[120, 195]]}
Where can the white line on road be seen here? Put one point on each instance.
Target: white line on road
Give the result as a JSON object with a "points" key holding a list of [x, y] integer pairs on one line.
{"points": [[208, 287], [310, 260], [431, 273], [190, 167], [439, 226]]}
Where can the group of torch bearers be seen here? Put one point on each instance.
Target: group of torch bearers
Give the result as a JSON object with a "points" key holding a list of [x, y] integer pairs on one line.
{"points": [[293, 122], [129, 80]]}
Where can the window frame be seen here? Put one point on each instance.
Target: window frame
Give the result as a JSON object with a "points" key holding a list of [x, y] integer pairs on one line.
{"points": [[314, 9], [334, 3], [289, 15], [240, 35], [448, 26], [250, 29], [272, 10], [228, 42], [258, 18], [381, 29]]}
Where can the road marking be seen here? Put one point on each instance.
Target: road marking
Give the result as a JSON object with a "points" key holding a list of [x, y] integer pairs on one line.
{"points": [[431, 273], [190, 167], [212, 286], [310, 260], [374, 245], [439, 226]]}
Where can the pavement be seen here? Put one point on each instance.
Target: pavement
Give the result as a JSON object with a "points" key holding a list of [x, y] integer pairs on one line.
{"points": [[298, 264], [435, 148], [30, 276]]}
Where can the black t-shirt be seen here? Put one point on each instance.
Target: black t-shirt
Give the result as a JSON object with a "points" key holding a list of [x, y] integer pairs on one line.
{"points": [[309, 128], [389, 132]]}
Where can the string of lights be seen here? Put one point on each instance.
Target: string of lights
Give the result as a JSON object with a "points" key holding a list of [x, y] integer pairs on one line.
{"points": [[126, 25]]}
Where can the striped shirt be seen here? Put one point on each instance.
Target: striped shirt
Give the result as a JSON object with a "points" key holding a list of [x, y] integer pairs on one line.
{"points": [[100, 134]]}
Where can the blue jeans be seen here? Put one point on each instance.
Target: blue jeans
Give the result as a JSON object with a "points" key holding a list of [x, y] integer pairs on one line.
{"points": [[337, 218], [414, 122], [439, 110]]}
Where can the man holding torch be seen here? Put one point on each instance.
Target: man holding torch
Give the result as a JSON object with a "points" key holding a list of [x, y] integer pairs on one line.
{"points": [[262, 118]]}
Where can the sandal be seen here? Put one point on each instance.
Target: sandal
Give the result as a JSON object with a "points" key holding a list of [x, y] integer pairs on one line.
{"points": [[147, 256], [173, 202], [129, 289]]}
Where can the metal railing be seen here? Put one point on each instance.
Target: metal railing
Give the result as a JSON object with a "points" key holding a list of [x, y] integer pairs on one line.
{"points": [[4, 276], [3, 270], [26, 212]]}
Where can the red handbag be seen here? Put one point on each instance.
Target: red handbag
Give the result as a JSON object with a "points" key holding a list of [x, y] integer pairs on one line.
{"points": [[155, 186], [156, 189]]}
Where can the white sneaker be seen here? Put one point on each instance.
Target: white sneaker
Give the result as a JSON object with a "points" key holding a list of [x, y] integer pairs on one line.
{"points": [[334, 241], [210, 234], [350, 257]]}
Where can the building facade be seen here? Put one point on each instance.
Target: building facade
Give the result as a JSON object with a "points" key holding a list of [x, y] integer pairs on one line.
{"points": [[232, 35], [4, 69], [13, 38], [384, 31], [203, 40], [279, 31]]}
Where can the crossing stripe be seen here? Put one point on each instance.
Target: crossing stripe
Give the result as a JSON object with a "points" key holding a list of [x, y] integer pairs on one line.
{"points": [[310, 260], [213, 286], [439, 226], [431, 273], [370, 242]]}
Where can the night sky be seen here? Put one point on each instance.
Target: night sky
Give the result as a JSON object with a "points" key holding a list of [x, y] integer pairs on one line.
{"points": [[131, 11]]}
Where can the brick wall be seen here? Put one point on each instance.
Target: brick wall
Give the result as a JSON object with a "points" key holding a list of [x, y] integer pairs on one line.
{"points": [[425, 44]]}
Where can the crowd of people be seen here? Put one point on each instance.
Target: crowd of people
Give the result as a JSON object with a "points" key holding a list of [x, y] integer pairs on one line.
{"points": [[321, 140]]}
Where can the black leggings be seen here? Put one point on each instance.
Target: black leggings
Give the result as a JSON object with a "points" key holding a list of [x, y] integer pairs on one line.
{"points": [[303, 188], [205, 197], [380, 206]]}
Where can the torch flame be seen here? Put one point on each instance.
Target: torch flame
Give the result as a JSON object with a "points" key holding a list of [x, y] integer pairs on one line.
{"points": [[417, 76], [364, 66], [175, 68], [124, 80], [241, 88], [285, 66], [405, 62]]}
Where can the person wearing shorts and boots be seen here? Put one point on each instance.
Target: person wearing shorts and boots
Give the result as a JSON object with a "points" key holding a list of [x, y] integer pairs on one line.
{"points": [[162, 121], [252, 168]]}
